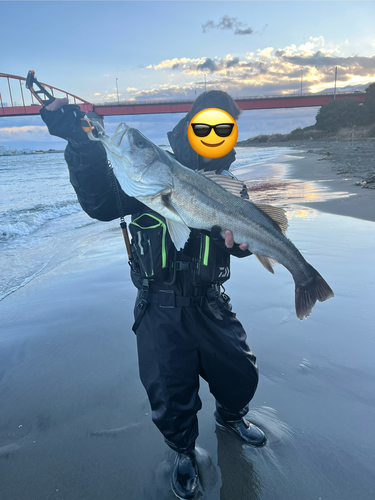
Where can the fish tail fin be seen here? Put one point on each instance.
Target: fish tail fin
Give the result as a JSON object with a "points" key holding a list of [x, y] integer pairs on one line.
{"points": [[307, 294]]}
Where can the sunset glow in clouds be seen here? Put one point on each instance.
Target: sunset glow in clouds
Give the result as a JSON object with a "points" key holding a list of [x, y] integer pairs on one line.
{"points": [[165, 50]]}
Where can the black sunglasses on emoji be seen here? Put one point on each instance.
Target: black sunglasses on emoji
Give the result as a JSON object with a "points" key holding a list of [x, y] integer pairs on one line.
{"points": [[203, 130]]}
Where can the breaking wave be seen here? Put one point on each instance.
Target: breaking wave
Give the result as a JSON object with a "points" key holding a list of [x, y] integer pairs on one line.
{"points": [[14, 223]]}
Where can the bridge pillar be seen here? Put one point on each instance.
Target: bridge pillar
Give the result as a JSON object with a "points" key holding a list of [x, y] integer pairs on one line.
{"points": [[91, 115]]}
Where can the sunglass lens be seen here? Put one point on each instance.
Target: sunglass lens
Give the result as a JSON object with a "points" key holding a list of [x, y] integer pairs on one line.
{"points": [[224, 129], [200, 129]]}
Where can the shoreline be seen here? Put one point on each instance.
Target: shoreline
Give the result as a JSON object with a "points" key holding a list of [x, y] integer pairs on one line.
{"points": [[33, 153], [337, 177]]}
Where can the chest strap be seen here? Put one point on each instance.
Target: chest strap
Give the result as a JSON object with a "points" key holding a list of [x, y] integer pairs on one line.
{"points": [[185, 266]]}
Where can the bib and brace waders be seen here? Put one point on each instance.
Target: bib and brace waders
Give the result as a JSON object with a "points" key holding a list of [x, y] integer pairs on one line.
{"points": [[185, 327]]}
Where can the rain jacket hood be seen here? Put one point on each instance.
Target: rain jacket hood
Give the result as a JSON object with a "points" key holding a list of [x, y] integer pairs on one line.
{"points": [[186, 155]]}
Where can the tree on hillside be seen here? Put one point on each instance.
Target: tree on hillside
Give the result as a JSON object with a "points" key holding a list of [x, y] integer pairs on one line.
{"points": [[343, 113], [369, 102]]}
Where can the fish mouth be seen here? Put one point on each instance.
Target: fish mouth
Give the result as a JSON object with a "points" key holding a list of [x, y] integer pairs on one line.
{"points": [[121, 138], [213, 145], [119, 134], [124, 139]]}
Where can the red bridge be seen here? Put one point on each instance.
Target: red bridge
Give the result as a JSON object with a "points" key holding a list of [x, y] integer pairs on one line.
{"points": [[25, 105]]}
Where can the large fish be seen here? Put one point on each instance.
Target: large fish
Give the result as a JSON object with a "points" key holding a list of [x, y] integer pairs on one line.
{"points": [[189, 199]]}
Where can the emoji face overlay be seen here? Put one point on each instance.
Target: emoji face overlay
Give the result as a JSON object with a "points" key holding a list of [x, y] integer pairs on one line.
{"points": [[212, 133]]}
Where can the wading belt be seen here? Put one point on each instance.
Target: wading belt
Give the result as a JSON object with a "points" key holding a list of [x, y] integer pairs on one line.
{"points": [[168, 299]]}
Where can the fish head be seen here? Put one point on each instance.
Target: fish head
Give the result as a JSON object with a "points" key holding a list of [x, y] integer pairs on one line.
{"points": [[127, 143], [144, 158], [135, 147], [131, 155]]}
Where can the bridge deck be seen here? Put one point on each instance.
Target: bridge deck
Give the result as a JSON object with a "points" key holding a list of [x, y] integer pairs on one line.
{"points": [[183, 106]]}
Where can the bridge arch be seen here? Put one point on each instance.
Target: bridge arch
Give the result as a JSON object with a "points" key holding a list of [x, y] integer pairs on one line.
{"points": [[12, 85]]}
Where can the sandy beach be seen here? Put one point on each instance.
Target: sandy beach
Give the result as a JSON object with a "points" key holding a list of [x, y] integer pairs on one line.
{"points": [[75, 422], [341, 166]]}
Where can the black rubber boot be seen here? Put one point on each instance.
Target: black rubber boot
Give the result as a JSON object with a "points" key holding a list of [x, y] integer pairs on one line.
{"points": [[247, 431], [185, 479]]}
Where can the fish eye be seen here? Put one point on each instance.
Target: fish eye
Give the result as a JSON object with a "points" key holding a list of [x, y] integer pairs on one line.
{"points": [[139, 143]]}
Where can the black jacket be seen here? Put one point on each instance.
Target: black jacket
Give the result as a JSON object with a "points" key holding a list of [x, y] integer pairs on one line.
{"points": [[92, 180], [93, 183]]}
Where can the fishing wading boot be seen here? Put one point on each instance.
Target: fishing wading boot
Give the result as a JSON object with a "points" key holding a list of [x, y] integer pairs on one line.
{"points": [[247, 431], [185, 479]]}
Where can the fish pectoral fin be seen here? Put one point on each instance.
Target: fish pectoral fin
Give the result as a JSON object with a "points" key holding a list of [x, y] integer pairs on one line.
{"points": [[277, 214], [179, 232], [266, 262], [177, 228]]}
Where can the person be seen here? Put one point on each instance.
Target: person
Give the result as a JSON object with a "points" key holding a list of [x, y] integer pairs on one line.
{"points": [[184, 324]]}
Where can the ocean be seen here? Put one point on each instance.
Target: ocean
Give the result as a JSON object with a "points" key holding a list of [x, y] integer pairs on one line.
{"points": [[42, 223]]}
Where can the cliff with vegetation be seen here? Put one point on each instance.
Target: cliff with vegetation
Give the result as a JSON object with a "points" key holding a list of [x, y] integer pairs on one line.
{"points": [[344, 119]]}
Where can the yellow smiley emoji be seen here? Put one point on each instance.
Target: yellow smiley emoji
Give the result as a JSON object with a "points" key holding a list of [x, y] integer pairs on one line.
{"points": [[212, 133]]}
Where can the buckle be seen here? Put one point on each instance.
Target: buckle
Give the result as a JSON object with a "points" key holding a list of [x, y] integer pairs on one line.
{"points": [[182, 266], [197, 301], [166, 299]]}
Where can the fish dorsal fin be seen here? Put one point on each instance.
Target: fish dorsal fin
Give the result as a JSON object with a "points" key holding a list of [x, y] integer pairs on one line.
{"points": [[266, 262], [235, 186], [230, 184], [277, 214]]}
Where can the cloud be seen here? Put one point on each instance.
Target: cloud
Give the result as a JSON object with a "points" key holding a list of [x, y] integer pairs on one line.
{"points": [[25, 131], [228, 23], [209, 64], [208, 25], [247, 31], [19, 135], [164, 92], [361, 65], [174, 63], [274, 69], [201, 65], [232, 62]]}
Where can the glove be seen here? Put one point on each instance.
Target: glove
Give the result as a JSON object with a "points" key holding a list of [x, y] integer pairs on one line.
{"points": [[220, 242], [66, 123]]}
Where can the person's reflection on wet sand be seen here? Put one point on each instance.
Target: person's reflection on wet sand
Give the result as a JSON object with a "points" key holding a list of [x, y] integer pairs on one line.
{"points": [[238, 477]]}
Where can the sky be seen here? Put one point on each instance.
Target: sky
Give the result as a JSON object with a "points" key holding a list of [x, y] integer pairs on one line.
{"points": [[164, 50]]}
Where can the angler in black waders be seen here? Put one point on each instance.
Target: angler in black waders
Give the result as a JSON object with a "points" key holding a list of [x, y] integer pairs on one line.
{"points": [[184, 324]]}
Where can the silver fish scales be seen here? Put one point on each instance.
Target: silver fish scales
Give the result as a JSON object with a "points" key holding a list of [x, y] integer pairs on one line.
{"points": [[189, 199]]}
